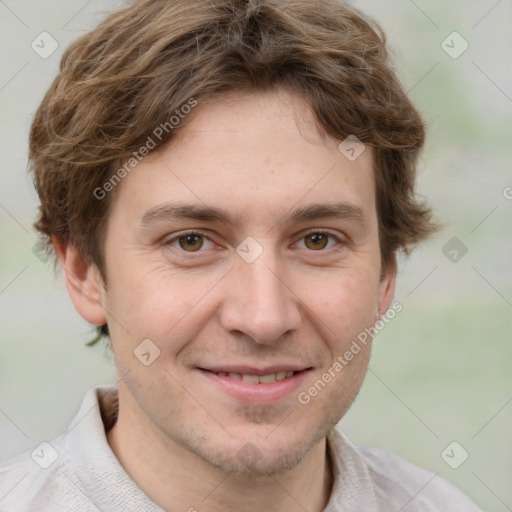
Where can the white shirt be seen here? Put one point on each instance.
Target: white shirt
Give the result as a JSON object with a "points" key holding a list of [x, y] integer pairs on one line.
{"points": [[83, 475]]}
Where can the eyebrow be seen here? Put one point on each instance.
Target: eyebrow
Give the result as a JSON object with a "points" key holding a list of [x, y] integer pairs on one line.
{"points": [[176, 211], [321, 211], [184, 211]]}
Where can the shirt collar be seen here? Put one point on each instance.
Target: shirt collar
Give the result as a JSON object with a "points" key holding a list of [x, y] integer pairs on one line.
{"points": [[103, 479]]}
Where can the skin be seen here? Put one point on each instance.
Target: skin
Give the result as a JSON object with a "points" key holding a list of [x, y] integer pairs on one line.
{"points": [[180, 436]]}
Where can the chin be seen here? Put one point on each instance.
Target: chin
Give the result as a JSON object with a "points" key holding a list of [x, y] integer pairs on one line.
{"points": [[254, 461], [259, 455]]}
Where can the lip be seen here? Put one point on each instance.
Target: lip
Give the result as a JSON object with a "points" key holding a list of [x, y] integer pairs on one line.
{"points": [[255, 393], [251, 370]]}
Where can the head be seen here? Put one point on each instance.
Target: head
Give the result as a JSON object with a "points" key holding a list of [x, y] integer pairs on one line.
{"points": [[192, 184]]}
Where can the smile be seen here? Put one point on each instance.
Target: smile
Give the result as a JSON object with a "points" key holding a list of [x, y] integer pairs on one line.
{"points": [[255, 379], [255, 386]]}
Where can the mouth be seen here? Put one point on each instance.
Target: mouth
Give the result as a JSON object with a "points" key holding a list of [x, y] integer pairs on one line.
{"points": [[256, 386], [257, 379]]}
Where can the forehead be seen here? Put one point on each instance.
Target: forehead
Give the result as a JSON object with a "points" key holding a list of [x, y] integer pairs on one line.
{"points": [[257, 155]]}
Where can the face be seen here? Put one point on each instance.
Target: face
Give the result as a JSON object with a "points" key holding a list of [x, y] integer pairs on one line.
{"points": [[247, 252]]}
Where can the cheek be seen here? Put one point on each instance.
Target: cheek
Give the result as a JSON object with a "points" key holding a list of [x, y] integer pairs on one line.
{"points": [[345, 301], [159, 303]]}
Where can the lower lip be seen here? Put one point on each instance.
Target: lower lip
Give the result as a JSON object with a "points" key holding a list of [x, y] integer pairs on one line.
{"points": [[249, 392]]}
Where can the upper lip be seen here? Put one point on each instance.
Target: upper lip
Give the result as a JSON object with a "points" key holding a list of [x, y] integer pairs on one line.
{"points": [[251, 370]]}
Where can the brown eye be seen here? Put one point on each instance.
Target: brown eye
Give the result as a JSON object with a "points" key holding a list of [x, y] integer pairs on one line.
{"points": [[191, 243], [316, 241]]}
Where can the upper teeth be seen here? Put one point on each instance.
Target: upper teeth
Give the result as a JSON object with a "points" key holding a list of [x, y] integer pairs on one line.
{"points": [[265, 379]]}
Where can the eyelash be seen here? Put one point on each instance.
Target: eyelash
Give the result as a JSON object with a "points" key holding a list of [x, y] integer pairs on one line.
{"points": [[175, 238]]}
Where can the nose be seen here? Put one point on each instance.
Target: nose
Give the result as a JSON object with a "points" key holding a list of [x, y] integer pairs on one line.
{"points": [[260, 302]]}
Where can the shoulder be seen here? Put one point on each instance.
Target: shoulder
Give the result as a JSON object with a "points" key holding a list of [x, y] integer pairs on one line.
{"points": [[418, 488], [25, 476], [392, 483], [37, 480]]}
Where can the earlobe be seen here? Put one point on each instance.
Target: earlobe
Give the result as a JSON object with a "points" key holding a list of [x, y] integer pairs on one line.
{"points": [[83, 282], [387, 288]]}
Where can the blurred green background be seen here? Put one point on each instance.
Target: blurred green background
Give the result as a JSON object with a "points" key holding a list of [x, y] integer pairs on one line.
{"points": [[440, 371]]}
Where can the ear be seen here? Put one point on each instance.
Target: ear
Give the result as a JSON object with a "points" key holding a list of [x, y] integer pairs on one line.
{"points": [[387, 288], [84, 283]]}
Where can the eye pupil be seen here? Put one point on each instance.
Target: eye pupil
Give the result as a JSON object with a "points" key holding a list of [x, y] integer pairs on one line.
{"points": [[191, 243], [316, 241]]}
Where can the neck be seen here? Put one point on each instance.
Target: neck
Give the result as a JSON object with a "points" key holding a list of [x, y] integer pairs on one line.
{"points": [[176, 479]]}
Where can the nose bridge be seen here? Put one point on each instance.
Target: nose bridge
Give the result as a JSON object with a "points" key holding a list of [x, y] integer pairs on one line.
{"points": [[260, 303]]}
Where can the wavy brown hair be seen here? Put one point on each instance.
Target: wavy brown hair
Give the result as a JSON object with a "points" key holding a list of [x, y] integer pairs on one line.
{"points": [[145, 61]]}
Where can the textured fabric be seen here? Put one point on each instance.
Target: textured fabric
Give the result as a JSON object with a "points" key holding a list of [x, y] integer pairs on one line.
{"points": [[87, 477]]}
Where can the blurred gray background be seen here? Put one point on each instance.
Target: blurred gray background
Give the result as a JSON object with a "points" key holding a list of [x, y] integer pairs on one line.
{"points": [[441, 370]]}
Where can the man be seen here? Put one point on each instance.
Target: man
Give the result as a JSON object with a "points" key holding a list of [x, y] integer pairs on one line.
{"points": [[226, 185]]}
